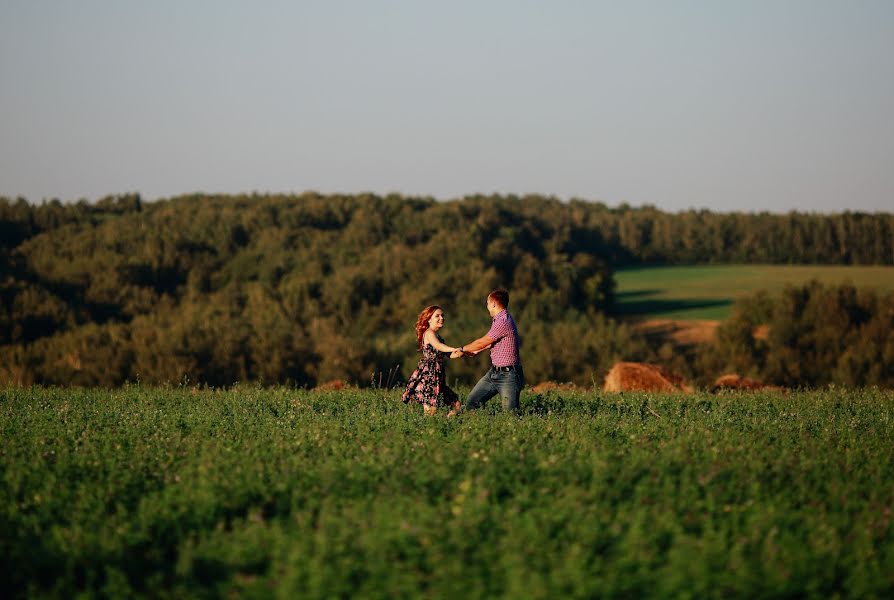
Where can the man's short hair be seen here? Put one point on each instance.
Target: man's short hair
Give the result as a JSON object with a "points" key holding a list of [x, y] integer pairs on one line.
{"points": [[501, 297]]}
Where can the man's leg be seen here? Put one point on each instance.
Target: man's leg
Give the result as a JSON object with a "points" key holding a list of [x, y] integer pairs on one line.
{"points": [[483, 391], [509, 385]]}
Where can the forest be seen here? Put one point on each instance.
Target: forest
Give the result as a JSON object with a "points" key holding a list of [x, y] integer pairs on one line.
{"points": [[306, 289]]}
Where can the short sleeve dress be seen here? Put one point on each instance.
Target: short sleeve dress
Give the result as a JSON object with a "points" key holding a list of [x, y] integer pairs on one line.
{"points": [[427, 385]]}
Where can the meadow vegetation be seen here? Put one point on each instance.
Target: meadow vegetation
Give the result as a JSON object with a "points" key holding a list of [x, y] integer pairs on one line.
{"points": [[277, 492]]}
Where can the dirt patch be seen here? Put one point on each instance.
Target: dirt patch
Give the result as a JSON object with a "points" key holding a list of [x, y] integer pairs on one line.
{"points": [[684, 333], [761, 332]]}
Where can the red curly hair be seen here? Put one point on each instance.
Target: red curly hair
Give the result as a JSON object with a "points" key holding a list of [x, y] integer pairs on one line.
{"points": [[422, 321]]}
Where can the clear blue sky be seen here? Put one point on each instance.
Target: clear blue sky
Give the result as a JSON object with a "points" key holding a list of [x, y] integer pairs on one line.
{"points": [[751, 105]]}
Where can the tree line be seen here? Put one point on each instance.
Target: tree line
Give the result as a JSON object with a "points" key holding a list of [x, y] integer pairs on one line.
{"points": [[813, 335], [308, 288]]}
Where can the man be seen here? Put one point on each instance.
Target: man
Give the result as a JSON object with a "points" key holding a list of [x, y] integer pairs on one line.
{"points": [[505, 376]]}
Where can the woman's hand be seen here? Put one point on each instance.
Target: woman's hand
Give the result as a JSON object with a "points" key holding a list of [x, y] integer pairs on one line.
{"points": [[456, 353]]}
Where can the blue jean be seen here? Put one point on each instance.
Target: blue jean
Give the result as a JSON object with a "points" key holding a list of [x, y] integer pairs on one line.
{"points": [[508, 384]]}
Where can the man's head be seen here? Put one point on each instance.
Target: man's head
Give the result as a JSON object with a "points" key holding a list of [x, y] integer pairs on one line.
{"points": [[497, 300]]}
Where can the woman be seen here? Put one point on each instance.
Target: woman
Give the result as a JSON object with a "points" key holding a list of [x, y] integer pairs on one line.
{"points": [[427, 385]]}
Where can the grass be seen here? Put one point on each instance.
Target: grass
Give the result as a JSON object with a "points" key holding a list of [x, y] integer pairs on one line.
{"points": [[250, 492], [708, 292]]}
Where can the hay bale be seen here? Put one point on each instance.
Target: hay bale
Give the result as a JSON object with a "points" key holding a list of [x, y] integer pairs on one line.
{"points": [[735, 382], [639, 377]]}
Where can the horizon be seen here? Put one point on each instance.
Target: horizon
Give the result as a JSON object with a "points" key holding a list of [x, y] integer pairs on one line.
{"points": [[728, 107], [520, 197]]}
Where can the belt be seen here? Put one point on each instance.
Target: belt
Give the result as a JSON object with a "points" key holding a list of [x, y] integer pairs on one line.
{"points": [[505, 369]]}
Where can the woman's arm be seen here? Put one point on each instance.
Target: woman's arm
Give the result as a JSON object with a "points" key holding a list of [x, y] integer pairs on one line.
{"points": [[429, 337]]}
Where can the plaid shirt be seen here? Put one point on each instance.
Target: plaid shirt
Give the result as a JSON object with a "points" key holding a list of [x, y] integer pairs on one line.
{"points": [[507, 341]]}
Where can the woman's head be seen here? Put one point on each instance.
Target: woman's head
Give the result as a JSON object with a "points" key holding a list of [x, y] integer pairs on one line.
{"points": [[431, 317]]}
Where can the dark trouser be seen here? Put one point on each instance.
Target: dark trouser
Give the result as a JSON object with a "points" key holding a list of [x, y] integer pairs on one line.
{"points": [[508, 384]]}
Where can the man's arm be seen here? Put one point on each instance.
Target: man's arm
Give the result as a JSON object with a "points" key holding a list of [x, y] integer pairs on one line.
{"points": [[478, 345]]}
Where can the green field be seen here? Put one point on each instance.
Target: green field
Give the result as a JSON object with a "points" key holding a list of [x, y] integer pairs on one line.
{"points": [[708, 292], [284, 493]]}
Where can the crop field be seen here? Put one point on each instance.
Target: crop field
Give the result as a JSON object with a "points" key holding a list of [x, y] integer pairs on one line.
{"points": [[708, 292], [253, 492]]}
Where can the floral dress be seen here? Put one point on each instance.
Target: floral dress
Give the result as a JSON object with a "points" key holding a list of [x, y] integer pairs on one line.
{"points": [[427, 384]]}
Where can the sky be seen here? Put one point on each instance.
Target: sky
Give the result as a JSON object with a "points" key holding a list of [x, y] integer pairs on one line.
{"points": [[755, 105]]}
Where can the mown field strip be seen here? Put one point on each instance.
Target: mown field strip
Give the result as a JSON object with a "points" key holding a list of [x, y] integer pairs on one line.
{"points": [[175, 492], [708, 291]]}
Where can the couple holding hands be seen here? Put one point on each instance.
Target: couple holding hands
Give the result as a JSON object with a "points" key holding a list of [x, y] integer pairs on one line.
{"points": [[428, 386]]}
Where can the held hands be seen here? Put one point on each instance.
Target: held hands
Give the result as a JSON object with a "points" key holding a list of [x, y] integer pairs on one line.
{"points": [[462, 352], [457, 353]]}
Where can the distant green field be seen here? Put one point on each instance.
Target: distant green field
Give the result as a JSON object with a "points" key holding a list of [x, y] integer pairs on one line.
{"points": [[708, 292]]}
